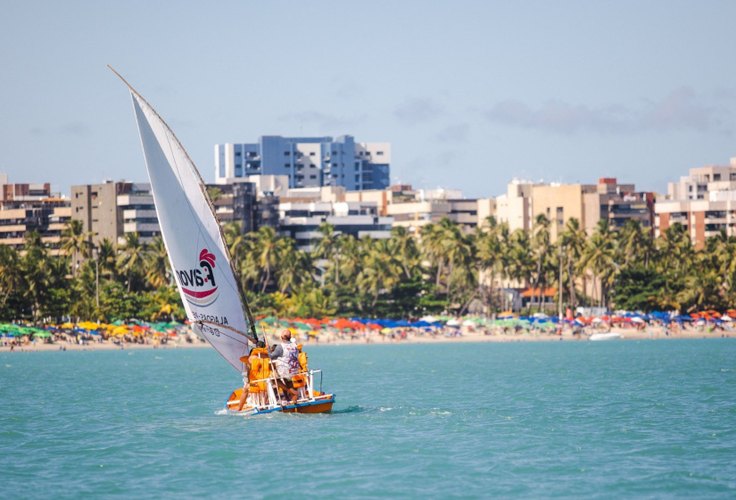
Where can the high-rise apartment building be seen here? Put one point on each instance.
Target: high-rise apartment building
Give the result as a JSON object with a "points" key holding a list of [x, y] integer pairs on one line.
{"points": [[236, 202], [618, 204], [31, 207], [307, 161], [588, 203], [703, 202], [111, 209]]}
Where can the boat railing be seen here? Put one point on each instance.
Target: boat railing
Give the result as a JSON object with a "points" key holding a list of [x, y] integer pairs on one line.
{"points": [[306, 394]]}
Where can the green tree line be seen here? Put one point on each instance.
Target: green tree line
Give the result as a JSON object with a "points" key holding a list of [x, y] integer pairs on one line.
{"points": [[440, 269]]}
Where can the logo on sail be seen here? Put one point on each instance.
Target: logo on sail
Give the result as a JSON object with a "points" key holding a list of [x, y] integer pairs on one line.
{"points": [[198, 284]]}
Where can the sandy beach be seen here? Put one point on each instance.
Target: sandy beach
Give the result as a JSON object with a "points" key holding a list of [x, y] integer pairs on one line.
{"points": [[407, 337]]}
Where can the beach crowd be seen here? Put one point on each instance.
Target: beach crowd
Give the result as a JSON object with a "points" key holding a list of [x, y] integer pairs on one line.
{"points": [[87, 335]]}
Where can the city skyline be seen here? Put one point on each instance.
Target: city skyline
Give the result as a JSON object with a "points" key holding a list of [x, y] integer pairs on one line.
{"points": [[569, 93]]}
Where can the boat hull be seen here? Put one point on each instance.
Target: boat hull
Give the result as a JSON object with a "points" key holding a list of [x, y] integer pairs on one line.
{"points": [[319, 404]]}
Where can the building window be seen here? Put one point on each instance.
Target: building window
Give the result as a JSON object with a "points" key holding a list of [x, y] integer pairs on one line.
{"points": [[380, 153], [287, 153]]}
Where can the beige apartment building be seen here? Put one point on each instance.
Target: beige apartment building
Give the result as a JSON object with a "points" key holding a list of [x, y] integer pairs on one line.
{"points": [[559, 203], [515, 206], [588, 203], [703, 202]]}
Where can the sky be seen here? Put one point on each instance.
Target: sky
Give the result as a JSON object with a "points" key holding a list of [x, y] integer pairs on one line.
{"points": [[470, 94]]}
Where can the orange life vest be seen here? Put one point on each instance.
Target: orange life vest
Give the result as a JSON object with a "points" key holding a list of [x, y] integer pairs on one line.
{"points": [[260, 368]]}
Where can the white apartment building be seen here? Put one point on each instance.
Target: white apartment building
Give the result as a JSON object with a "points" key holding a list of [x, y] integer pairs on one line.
{"points": [[413, 209], [301, 220]]}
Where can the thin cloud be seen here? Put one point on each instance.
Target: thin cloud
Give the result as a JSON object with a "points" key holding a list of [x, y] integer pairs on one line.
{"points": [[447, 158], [454, 133], [71, 128], [348, 90], [418, 110], [682, 109]]}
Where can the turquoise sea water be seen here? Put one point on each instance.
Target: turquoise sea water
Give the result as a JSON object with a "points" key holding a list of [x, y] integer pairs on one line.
{"points": [[606, 419]]}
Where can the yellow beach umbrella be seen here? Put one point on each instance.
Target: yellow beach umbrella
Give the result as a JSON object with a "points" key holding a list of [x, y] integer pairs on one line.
{"points": [[120, 330]]}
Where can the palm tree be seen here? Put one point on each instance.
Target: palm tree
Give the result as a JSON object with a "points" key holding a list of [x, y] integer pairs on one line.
{"points": [[540, 248], [294, 266], [235, 240], [676, 261], [75, 242], [725, 253], [573, 241], [132, 258], [702, 285], [34, 267], [350, 260], [445, 247], [381, 271], [599, 258], [11, 278], [636, 244], [404, 246], [432, 249], [519, 262], [107, 255], [265, 253], [490, 253], [327, 248], [157, 264]]}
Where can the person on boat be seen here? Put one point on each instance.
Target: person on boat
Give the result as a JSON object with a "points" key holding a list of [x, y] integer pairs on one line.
{"points": [[253, 369], [285, 357]]}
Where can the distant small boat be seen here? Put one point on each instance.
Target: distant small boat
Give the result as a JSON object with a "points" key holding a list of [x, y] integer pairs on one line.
{"points": [[606, 336]]}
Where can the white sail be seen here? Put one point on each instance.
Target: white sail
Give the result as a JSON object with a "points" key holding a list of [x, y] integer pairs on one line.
{"points": [[193, 239]]}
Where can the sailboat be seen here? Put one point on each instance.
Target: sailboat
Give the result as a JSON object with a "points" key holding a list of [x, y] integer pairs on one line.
{"points": [[213, 298]]}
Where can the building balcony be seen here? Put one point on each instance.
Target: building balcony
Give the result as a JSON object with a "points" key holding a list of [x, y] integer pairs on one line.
{"points": [[464, 218], [13, 228], [12, 242], [126, 200], [381, 234], [137, 213], [136, 227]]}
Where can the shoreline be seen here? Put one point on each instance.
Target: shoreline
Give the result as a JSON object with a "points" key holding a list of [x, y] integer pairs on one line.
{"points": [[652, 333]]}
